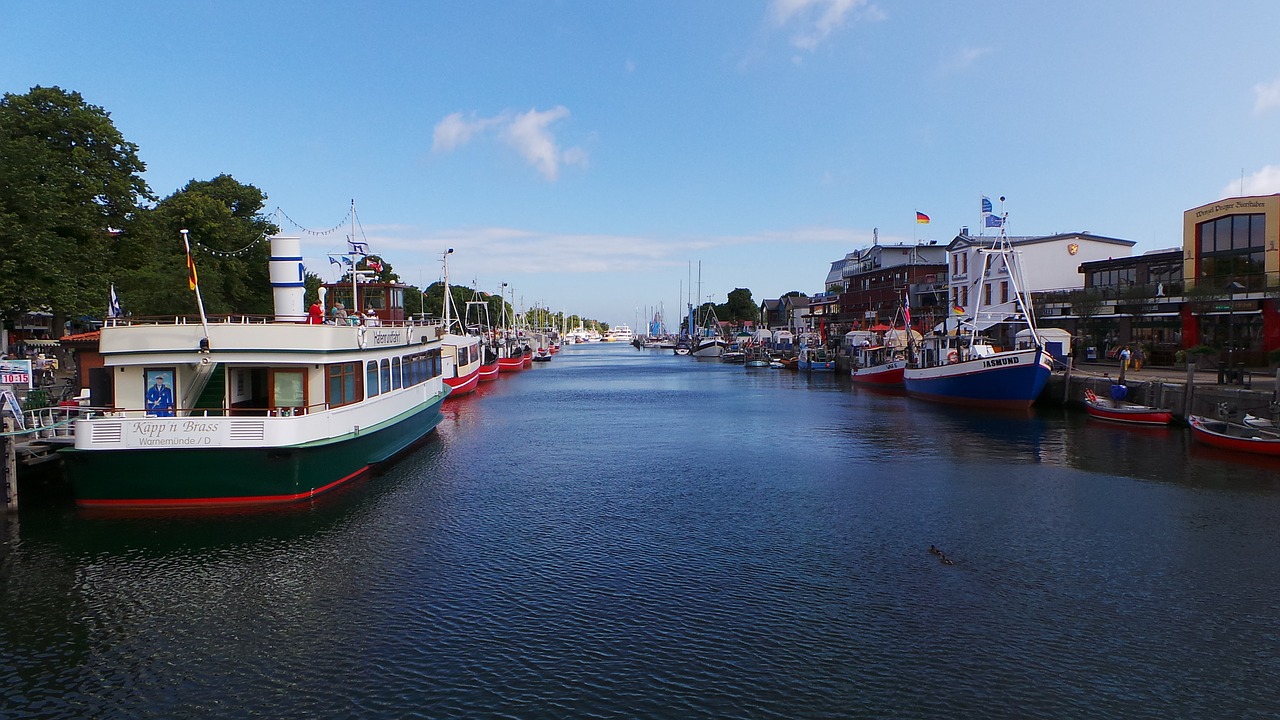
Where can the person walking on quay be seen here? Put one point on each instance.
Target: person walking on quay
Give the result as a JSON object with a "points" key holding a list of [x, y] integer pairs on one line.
{"points": [[1139, 356], [1124, 362]]}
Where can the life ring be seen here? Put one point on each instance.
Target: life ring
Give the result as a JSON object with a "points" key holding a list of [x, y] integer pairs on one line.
{"points": [[953, 356], [360, 336]]}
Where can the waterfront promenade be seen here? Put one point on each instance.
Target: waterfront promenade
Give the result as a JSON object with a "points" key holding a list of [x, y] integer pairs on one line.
{"points": [[1255, 379]]}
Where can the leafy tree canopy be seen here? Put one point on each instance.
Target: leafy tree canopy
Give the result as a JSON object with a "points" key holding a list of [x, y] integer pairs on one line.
{"points": [[69, 182], [228, 238], [738, 307]]}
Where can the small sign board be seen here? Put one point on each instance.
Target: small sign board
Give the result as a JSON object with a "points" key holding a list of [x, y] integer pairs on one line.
{"points": [[15, 372]]}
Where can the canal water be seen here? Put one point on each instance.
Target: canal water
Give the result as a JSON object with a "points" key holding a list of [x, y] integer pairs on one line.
{"points": [[630, 534]]}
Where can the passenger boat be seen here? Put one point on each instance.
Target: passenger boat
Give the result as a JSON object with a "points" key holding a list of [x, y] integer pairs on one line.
{"points": [[461, 349], [619, 333], [961, 366], [1117, 410], [240, 410], [1233, 436]]}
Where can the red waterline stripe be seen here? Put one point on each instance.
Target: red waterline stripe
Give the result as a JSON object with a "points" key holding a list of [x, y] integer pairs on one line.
{"points": [[213, 502]]}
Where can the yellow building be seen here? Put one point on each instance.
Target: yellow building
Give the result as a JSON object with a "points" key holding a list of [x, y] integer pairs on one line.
{"points": [[1230, 259]]}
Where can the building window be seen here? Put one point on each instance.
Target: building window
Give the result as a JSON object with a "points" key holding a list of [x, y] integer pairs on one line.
{"points": [[1233, 247], [1004, 291]]}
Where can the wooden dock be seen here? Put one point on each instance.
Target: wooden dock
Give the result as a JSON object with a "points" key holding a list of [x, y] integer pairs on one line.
{"points": [[42, 434]]}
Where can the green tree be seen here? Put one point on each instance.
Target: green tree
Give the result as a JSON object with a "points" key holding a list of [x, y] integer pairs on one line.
{"points": [[69, 183], [228, 238], [738, 307]]}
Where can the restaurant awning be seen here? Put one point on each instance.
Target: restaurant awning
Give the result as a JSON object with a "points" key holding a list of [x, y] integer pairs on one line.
{"points": [[41, 343]]}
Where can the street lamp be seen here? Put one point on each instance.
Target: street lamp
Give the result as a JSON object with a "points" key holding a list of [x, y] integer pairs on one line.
{"points": [[1232, 289]]}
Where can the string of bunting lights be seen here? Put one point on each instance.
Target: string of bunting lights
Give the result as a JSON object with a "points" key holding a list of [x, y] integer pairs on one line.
{"points": [[352, 216], [298, 225], [228, 254]]}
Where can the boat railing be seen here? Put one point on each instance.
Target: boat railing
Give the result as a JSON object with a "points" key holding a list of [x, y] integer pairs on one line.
{"points": [[56, 422], [238, 412], [247, 319]]}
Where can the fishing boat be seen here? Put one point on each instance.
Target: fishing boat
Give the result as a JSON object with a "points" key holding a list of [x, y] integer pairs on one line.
{"points": [[461, 349], [1115, 409], [241, 410], [1237, 437], [815, 360], [879, 365], [707, 342], [488, 347], [961, 366], [512, 348]]}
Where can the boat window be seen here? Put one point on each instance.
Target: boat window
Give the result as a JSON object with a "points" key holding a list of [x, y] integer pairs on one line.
{"points": [[371, 378], [433, 363], [288, 391], [410, 370], [395, 373], [386, 375], [343, 386]]}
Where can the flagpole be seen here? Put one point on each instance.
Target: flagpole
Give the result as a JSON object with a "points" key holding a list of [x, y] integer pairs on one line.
{"points": [[355, 299], [194, 279]]}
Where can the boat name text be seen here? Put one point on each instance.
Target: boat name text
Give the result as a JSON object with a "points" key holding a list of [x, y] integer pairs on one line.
{"points": [[997, 362], [386, 337], [174, 433]]}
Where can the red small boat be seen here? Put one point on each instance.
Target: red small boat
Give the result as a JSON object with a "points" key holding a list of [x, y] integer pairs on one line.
{"points": [[881, 366], [1235, 436], [1125, 412], [489, 372]]}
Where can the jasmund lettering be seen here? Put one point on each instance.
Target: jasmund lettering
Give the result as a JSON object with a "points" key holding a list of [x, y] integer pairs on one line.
{"points": [[996, 362]]}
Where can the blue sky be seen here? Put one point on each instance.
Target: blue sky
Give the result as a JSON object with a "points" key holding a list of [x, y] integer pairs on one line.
{"points": [[590, 153]]}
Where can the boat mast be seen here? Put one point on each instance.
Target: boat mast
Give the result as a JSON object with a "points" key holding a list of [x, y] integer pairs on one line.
{"points": [[448, 298]]}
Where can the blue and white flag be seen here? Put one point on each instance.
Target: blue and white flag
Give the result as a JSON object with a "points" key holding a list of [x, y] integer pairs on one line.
{"points": [[335, 261], [113, 304], [358, 246], [340, 260], [986, 206], [994, 221]]}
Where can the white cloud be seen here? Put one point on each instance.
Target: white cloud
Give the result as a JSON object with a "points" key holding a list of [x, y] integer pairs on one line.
{"points": [[1264, 182], [1266, 96], [455, 131], [529, 134], [813, 21]]}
